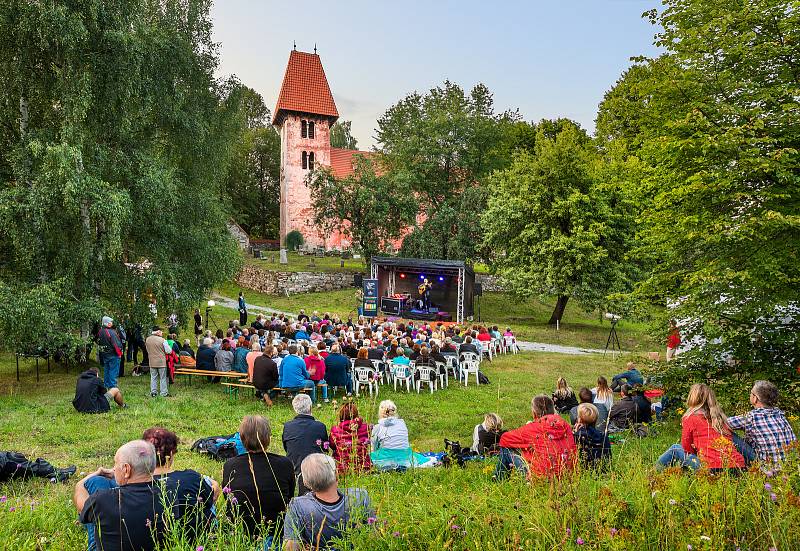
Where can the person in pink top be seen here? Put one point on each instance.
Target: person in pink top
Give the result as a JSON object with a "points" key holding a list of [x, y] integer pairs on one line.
{"points": [[254, 353], [315, 365], [350, 441]]}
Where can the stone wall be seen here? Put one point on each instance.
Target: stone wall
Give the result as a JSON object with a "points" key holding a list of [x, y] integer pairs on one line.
{"points": [[281, 283]]}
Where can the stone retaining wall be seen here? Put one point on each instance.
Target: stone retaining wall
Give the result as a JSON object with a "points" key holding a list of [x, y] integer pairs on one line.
{"points": [[281, 283]]}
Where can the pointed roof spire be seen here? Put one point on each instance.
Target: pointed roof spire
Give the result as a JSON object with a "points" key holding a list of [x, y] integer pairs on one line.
{"points": [[294, 45], [305, 89], [315, 48]]}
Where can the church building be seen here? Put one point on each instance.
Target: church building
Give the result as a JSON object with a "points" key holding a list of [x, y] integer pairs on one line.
{"points": [[303, 116]]}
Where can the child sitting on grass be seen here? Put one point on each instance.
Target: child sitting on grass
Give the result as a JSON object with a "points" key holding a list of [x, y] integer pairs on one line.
{"points": [[594, 448]]}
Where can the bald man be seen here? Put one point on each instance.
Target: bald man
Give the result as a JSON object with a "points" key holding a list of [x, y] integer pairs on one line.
{"points": [[129, 516]]}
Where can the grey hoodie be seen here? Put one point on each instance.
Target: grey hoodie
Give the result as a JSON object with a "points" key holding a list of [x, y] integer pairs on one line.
{"points": [[390, 433]]}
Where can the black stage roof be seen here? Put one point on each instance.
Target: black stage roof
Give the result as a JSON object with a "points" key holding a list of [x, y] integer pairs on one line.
{"points": [[422, 263]]}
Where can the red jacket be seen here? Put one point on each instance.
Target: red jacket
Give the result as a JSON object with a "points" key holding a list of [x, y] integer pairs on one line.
{"points": [[317, 364], [546, 443], [716, 451], [350, 444]]}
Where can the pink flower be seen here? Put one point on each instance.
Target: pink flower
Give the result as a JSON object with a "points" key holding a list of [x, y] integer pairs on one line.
{"points": [[396, 534], [773, 497], [3, 499], [200, 548], [234, 500], [148, 523], [319, 442], [12, 509], [580, 541], [613, 531], [371, 520], [226, 490], [767, 486], [326, 445]]}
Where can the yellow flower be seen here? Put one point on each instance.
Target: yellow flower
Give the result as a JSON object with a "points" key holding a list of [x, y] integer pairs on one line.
{"points": [[681, 411]]}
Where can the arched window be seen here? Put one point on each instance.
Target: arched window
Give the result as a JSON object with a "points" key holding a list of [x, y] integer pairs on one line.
{"points": [[303, 129], [304, 156], [311, 161], [310, 129]]}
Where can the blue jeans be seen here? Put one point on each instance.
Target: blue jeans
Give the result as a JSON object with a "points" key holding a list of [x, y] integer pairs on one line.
{"points": [[308, 383], [509, 459], [324, 389], [110, 370], [745, 449], [95, 484], [676, 455]]}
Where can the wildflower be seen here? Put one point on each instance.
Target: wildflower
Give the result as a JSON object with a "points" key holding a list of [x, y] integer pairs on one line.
{"points": [[673, 502], [769, 474], [773, 497], [3, 499], [454, 527], [226, 490], [200, 548], [371, 520], [12, 509], [580, 541], [234, 500], [396, 534], [319, 442], [326, 445], [147, 523], [767, 486], [613, 531], [689, 547], [569, 531]]}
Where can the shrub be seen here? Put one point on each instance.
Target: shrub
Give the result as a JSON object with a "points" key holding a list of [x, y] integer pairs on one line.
{"points": [[294, 240]]}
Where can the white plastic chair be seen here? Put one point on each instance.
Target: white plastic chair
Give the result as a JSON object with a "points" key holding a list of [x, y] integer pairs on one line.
{"points": [[427, 376], [403, 374], [377, 365], [452, 364], [441, 371], [468, 367], [364, 376], [497, 346], [510, 344], [486, 350]]}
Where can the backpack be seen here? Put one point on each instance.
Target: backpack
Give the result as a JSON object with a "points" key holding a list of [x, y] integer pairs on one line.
{"points": [[483, 379], [217, 447]]}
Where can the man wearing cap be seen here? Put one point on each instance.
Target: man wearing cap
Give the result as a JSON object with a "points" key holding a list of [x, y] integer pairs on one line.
{"points": [[157, 350], [110, 352]]}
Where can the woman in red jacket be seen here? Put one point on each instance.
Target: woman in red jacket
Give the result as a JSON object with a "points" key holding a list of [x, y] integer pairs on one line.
{"points": [[349, 441], [706, 438], [315, 365], [543, 447]]}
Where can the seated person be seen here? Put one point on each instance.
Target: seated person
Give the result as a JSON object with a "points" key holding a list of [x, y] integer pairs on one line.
{"points": [[129, 515], [205, 355], [258, 484], [563, 397], [302, 436], [315, 365], [706, 438], [240, 355], [767, 432], [255, 352], [265, 374], [625, 412], [362, 358], [486, 435], [468, 346], [631, 377], [602, 394], [349, 441], [645, 413], [186, 349], [586, 397], [294, 373], [190, 495], [337, 370], [594, 447], [92, 397], [390, 445], [544, 447], [314, 519]]}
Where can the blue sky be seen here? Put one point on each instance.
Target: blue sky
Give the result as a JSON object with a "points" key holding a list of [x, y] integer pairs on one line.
{"points": [[547, 58]]}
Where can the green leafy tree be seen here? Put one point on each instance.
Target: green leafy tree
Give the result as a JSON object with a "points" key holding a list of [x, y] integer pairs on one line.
{"points": [[341, 136], [368, 207], [254, 174], [712, 129], [443, 144], [556, 228], [115, 142]]}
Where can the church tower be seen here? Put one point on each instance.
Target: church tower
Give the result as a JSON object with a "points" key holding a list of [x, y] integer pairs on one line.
{"points": [[303, 116]]}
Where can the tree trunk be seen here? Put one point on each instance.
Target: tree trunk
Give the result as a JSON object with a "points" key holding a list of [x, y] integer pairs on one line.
{"points": [[558, 311]]}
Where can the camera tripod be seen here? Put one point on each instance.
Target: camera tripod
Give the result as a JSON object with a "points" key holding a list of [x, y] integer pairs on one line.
{"points": [[613, 340]]}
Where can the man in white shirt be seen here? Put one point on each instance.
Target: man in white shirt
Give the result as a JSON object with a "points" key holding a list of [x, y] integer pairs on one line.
{"points": [[157, 350]]}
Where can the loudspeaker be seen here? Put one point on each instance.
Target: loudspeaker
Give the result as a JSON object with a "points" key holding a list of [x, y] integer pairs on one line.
{"points": [[478, 289], [358, 280]]}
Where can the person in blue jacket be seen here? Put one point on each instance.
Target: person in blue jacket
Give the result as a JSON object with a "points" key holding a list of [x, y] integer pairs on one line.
{"points": [[294, 373], [631, 377]]}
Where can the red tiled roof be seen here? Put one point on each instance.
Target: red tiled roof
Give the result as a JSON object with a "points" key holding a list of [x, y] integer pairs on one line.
{"points": [[305, 88], [342, 161]]}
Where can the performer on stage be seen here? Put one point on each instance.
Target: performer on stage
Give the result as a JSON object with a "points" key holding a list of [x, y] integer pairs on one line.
{"points": [[425, 292]]}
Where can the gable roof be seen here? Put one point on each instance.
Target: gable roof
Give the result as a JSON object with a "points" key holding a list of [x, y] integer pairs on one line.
{"points": [[305, 88], [343, 162]]}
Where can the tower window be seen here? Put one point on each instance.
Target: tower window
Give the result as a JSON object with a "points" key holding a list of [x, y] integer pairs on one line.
{"points": [[303, 130], [310, 129], [311, 160], [304, 157]]}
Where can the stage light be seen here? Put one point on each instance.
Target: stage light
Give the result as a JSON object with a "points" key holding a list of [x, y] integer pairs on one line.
{"points": [[441, 278], [402, 276], [422, 276]]}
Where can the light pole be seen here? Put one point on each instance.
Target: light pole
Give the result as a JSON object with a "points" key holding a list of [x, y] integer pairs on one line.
{"points": [[209, 306]]}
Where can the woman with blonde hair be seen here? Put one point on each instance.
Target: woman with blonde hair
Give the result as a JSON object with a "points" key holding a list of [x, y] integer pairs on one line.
{"points": [[706, 438], [486, 435], [563, 397], [390, 445], [602, 394]]}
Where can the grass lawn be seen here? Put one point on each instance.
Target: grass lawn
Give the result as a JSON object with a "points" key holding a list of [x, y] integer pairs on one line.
{"points": [[306, 263], [528, 318], [435, 509]]}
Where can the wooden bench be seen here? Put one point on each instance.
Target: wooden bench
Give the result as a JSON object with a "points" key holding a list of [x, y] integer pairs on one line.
{"points": [[205, 373], [233, 389]]}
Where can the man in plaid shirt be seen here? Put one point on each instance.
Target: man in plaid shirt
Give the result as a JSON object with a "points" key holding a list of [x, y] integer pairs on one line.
{"points": [[766, 429]]}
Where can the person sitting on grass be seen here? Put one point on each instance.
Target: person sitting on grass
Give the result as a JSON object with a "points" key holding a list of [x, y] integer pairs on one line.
{"points": [[302, 436], [390, 445], [294, 374], [190, 494], [706, 437], [314, 519], [586, 397], [563, 397], [645, 412], [258, 485], [349, 441], [266, 375], [315, 365], [594, 447], [625, 412], [543, 448], [766, 429], [92, 397], [602, 394], [630, 376], [337, 370], [129, 514], [486, 435]]}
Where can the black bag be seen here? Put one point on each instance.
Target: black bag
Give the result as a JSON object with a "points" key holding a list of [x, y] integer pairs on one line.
{"points": [[218, 447], [483, 379]]}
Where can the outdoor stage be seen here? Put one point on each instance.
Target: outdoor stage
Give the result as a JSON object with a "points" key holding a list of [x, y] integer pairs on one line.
{"points": [[451, 293]]}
